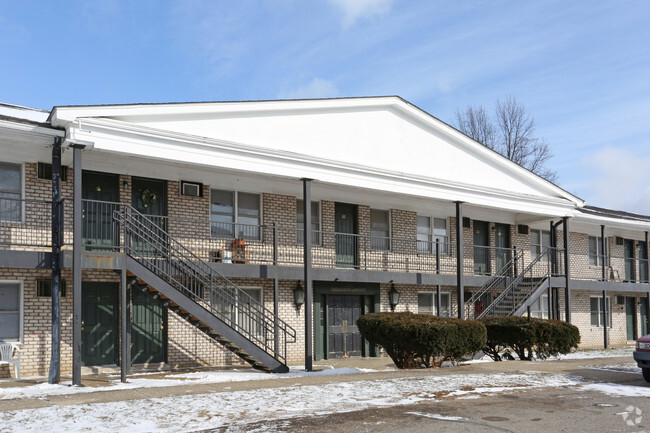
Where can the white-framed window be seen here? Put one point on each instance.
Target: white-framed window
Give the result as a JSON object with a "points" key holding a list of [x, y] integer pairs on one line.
{"points": [[596, 304], [539, 239], [11, 192], [539, 309], [379, 230], [315, 222], [428, 303], [430, 230], [235, 214], [596, 255], [11, 311]]}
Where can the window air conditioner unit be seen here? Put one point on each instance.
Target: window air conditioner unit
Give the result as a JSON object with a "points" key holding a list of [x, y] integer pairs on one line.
{"points": [[191, 189]]}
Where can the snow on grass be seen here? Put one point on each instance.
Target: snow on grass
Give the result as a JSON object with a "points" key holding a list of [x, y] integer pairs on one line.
{"points": [[199, 377], [617, 390], [216, 409], [598, 353]]}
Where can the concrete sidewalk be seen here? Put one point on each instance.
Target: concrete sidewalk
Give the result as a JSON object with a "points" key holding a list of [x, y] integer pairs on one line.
{"points": [[383, 369]]}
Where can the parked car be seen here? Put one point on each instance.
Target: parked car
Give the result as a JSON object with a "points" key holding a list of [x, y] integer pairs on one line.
{"points": [[642, 356]]}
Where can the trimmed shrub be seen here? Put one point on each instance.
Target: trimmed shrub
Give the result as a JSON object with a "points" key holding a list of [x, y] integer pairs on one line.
{"points": [[528, 337], [415, 340]]}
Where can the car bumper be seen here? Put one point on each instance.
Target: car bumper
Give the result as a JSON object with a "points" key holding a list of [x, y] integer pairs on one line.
{"points": [[642, 359]]}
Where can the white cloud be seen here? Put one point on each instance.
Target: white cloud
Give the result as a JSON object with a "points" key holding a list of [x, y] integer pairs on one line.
{"points": [[317, 88], [355, 9], [619, 179]]}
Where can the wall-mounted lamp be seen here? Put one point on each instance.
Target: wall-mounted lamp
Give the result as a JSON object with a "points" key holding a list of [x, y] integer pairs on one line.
{"points": [[299, 295], [125, 185], [393, 297]]}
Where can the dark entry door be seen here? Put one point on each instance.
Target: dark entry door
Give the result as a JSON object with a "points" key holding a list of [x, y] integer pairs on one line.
{"points": [[481, 252], [345, 216], [343, 334], [502, 244], [630, 317], [643, 306], [101, 193], [149, 197], [148, 329], [99, 323], [629, 260]]}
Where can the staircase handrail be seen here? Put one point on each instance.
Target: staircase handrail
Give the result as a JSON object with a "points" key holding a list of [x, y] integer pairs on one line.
{"points": [[179, 258], [494, 280], [516, 281]]}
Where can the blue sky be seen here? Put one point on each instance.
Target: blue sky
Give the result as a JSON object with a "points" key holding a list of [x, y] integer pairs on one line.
{"points": [[582, 68]]}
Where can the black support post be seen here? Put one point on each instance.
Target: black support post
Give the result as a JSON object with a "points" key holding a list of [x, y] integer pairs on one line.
{"points": [[605, 316], [55, 359], [567, 271], [647, 259], [76, 268], [276, 316], [306, 188], [460, 259], [602, 251], [124, 324]]}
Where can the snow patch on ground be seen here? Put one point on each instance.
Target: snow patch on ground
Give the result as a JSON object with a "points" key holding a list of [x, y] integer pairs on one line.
{"points": [[617, 390], [437, 416], [217, 409]]}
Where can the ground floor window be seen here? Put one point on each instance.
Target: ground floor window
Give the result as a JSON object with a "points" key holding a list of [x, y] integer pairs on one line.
{"points": [[249, 307], [596, 303], [11, 311], [427, 303], [539, 309]]}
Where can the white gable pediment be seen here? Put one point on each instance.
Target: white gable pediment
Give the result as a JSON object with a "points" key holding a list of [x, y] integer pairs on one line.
{"points": [[378, 135]]}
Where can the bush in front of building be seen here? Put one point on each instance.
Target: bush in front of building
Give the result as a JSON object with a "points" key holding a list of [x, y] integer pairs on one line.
{"points": [[528, 338], [418, 340]]}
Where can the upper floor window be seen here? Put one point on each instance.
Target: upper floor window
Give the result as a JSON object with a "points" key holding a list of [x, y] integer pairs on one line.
{"points": [[235, 214], [10, 311], [10, 192], [379, 230], [596, 253], [429, 233], [315, 222], [539, 239]]}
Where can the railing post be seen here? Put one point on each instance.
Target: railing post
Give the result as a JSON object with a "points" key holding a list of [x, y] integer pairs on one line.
{"points": [[275, 244], [515, 261]]}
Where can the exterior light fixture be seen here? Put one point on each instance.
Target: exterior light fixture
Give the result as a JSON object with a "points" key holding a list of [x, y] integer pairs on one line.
{"points": [[393, 297], [299, 296]]}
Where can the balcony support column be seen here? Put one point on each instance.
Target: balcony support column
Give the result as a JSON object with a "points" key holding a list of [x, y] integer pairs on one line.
{"points": [[605, 316], [602, 252], [567, 271], [76, 267], [306, 188], [647, 259], [57, 231], [460, 283]]}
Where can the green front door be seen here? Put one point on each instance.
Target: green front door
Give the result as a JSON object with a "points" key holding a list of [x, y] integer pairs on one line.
{"points": [[502, 245], [148, 329], [481, 252], [149, 197], [630, 317], [99, 323], [345, 216], [100, 192]]}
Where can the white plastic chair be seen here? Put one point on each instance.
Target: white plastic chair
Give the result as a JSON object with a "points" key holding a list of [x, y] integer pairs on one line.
{"points": [[7, 356]]}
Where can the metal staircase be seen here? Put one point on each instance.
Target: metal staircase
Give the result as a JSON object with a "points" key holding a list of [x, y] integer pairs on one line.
{"points": [[523, 290], [477, 303], [162, 267]]}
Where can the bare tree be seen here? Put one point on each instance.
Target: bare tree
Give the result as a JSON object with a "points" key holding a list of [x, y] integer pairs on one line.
{"points": [[511, 133]]}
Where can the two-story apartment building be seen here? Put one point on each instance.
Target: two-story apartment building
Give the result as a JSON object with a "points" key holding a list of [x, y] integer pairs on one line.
{"points": [[182, 233]]}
